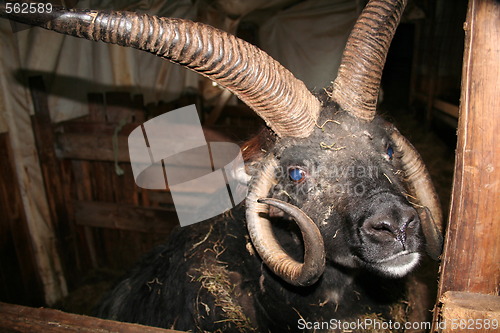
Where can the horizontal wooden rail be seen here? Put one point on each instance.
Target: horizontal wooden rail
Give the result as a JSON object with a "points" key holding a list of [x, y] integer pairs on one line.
{"points": [[91, 147], [94, 142], [448, 108], [124, 217], [438, 104], [17, 318]]}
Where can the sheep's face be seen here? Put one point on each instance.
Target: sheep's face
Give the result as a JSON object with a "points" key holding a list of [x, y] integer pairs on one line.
{"points": [[347, 178]]}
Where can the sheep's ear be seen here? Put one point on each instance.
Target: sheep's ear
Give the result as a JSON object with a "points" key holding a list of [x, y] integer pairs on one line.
{"points": [[433, 237], [420, 185]]}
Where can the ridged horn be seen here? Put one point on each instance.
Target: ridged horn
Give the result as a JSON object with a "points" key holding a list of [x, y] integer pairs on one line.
{"points": [[283, 101], [422, 189], [264, 241], [357, 85]]}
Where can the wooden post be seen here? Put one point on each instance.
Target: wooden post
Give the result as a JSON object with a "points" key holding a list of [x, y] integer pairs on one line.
{"points": [[472, 249]]}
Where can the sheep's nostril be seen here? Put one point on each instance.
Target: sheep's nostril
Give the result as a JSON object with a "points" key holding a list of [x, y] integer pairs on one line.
{"points": [[382, 226], [390, 225]]}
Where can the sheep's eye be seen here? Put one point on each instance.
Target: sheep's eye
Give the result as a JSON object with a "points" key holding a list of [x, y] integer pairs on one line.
{"points": [[296, 174], [390, 151]]}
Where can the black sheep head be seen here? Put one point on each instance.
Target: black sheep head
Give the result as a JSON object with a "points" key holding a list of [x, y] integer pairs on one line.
{"points": [[348, 178]]}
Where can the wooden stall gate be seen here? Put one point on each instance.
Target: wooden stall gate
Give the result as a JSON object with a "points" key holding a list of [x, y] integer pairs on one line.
{"points": [[103, 218]]}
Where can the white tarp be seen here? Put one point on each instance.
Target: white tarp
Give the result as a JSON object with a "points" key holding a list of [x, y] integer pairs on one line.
{"points": [[73, 67], [307, 38]]}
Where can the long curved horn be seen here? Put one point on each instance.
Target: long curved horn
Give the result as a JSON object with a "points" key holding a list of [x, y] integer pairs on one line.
{"points": [[357, 85], [261, 233], [422, 188], [282, 100]]}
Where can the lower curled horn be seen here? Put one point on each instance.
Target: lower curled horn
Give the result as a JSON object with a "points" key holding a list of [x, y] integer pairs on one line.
{"points": [[314, 250], [271, 252]]}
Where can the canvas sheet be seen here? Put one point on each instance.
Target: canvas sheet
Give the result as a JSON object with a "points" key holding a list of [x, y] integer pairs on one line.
{"points": [[307, 38]]}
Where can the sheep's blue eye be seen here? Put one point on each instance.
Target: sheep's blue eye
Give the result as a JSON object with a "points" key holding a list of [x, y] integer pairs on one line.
{"points": [[296, 174], [390, 151]]}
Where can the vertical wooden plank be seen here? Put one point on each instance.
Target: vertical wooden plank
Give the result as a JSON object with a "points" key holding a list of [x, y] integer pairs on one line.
{"points": [[68, 186], [119, 107], [138, 103], [52, 173], [472, 250], [83, 191], [415, 63], [130, 243], [97, 109], [432, 62]]}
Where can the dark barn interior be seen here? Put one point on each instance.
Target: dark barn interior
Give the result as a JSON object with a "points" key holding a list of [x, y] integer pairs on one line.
{"points": [[72, 218]]}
